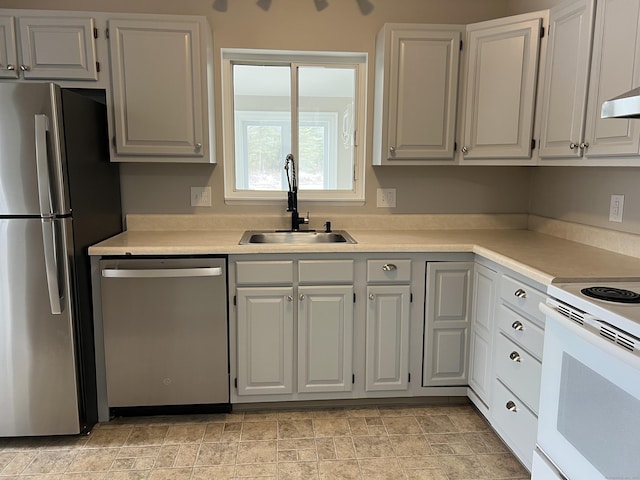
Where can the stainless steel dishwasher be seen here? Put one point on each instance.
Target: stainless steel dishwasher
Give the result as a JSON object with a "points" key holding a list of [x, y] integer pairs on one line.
{"points": [[165, 333]]}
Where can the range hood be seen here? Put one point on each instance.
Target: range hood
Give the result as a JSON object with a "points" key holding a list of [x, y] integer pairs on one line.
{"points": [[626, 105]]}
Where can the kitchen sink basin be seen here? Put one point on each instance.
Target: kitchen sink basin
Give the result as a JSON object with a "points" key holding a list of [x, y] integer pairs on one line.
{"points": [[300, 237]]}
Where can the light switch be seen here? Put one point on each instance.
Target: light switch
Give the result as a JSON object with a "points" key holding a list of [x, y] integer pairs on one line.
{"points": [[200, 196], [616, 207], [386, 198]]}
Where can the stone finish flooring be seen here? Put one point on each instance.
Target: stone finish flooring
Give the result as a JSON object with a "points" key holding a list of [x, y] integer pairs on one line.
{"points": [[413, 442]]}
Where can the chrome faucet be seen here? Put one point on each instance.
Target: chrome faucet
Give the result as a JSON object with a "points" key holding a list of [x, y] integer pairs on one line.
{"points": [[292, 194]]}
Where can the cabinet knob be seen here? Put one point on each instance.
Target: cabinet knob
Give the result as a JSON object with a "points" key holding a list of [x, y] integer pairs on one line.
{"points": [[520, 293], [372, 296], [392, 151], [584, 145], [11, 67], [301, 296], [517, 325], [389, 267], [515, 356], [25, 68], [573, 146], [511, 406], [289, 298], [197, 147], [465, 149]]}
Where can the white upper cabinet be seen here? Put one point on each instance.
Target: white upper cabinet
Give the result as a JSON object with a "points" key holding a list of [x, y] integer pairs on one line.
{"points": [[500, 90], [160, 89], [416, 75], [564, 103], [8, 53], [615, 69], [50, 48]]}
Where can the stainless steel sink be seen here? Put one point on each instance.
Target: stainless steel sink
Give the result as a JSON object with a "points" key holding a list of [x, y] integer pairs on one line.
{"points": [[301, 237]]}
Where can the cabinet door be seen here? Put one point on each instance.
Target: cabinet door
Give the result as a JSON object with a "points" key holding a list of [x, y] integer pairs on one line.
{"points": [[157, 87], [447, 323], [387, 338], [325, 338], [615, 69], [265, 340], [58, 48], [422, 97], [482, 314], [564, 104], [502, 69], [8, 59]]}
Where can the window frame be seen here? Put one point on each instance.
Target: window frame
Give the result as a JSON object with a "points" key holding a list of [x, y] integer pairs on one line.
{"points": [[358, 61]]}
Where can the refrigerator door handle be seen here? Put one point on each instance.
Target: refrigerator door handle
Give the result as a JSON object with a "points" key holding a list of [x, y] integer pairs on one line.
{"points": [[42, 164], [51, 265]]}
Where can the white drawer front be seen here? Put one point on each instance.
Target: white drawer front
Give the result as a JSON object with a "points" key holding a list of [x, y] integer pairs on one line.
{"points": [[522, 296], [264, 272], [521, 330], [389, 271], [514, 422], [518, 370], [325, 271]]}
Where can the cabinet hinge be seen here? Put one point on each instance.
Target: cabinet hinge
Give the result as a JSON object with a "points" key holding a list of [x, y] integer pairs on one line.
{"points": [[533, 144], [455, 146], [106, 33], [98, 67], [235, 382], [549, 31], [541, 32], [235, 300], [409, 377], [461, 43], [95, 33], [411, 297], [353, 378], [354, 298]]}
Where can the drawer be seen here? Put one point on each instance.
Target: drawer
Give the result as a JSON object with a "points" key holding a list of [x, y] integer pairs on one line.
{"points": [[515, 423], [264, 272], [389, 271], [522, 296], [522, 330], [518, 370], [325, 271]]}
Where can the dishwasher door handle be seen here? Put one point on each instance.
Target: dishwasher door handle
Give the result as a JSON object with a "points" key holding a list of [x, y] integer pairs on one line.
{"points": [[161, 272]]}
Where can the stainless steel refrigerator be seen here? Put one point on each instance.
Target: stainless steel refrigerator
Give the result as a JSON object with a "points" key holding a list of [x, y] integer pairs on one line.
{"points": [[58, 194]]}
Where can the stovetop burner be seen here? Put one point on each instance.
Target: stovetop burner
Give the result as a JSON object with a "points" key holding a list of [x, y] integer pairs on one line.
{"points": [[611, 294]]}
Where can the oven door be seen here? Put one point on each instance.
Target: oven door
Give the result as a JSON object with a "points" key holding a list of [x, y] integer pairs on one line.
{"points": [[589, 418]]}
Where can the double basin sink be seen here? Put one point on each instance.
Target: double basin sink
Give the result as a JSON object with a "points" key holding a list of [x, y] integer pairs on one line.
{"points": [[295, 237]]}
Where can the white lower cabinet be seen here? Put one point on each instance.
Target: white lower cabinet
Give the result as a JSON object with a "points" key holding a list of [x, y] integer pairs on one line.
{"points": [[387, 342], [325, 338], [447, 323], [481, 345], [265, 340], [517, 361]]}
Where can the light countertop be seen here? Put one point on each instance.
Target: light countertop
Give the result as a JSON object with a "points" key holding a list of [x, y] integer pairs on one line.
{"points": [[543, 258]]}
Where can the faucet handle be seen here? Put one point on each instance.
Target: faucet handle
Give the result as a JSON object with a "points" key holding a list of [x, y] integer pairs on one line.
{"points": [[305, 220]]}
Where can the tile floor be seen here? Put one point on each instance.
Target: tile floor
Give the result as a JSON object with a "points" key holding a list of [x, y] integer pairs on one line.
{"points": [[416, 442]]}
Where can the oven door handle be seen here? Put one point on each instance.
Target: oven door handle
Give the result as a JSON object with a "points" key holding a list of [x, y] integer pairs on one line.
{"points": [[162, 272]]}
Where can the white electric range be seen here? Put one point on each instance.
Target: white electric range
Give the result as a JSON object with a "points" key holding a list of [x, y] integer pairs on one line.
{"points": [[589, 414]]}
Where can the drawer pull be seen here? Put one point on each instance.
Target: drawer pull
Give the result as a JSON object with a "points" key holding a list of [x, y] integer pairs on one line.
{"points": [[389, 267], [517, 325], [515, 356], [520, 293], [289, 298], [512, 407]]}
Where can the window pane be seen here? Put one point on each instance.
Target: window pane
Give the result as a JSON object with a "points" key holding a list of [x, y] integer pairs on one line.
{"points": [[262, 118], [326, 126]]}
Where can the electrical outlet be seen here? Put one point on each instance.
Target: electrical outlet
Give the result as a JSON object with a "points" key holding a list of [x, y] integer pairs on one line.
{"points": [[386, 198], [616, 207], [200, 196]]}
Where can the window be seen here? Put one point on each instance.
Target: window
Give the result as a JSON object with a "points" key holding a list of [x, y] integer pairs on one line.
{"points": [[310, 105]]}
